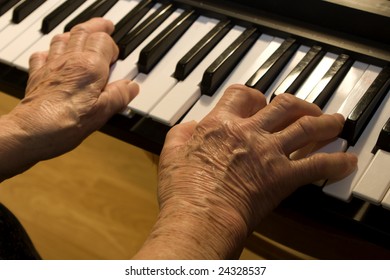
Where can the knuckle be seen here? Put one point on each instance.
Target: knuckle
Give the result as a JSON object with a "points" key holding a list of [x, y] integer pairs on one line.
{"points": [[290, 103], [241, 92], [100, 36], [59, 38], [211, 120], [308, 126], [86, 68], [36, 56], [79, 29], [237, 87], [102, 43], [234, 90], [319, 164], [286, 101]]}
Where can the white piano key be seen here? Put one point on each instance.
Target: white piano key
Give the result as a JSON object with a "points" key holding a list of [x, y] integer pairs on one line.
{"points": [[127, 68], [13, 30], [297, 57], [6, 18], [316, 75], [155, 7], [32, 34], [335, 71], [343, 90], [343, 189], [173, 106], [358, 91], [386, 200], [120, 9], [149, 13], [20, 58], [338, 145], [22, 61], [155, 85], [375, 181], [255, 57], [354, 78]]}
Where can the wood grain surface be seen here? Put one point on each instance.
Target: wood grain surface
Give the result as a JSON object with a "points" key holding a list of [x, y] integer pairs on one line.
{"points": [[96, 202]]}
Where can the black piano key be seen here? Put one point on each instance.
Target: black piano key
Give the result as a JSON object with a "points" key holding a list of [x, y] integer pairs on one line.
{"points": [[97, 9], [13, 81], [383, 141], [217, 72], [148, 138], [159, 46], [333, 77], [131, 19], [5, 5], [267, 72], [201, 49], [299, 74], [150, 131], [136, 36], [25, 9], [59, 14], [365, 108]]}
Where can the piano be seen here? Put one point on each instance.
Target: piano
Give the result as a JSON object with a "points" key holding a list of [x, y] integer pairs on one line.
{"points": [[184, 53]]}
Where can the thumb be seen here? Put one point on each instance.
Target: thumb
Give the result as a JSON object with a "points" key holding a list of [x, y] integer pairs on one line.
{"points": [[179, 134], [117, 95], [36, 61]]}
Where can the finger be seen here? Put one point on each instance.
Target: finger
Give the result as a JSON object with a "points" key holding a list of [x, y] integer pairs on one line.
{"points": [[116, 96], [102, 44], [79, 34], [179, 134], [283, 110], [240, 101], [309, 129], [58, 45], [310, 148], [323, 166], [306, 150], [36, 61]]}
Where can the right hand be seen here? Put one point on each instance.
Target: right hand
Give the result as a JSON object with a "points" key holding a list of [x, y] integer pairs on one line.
{"points": [[228, 171]]}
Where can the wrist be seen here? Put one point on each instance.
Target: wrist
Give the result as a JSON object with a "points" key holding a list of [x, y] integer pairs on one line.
{"points": [[192, 232], [17, 152]]}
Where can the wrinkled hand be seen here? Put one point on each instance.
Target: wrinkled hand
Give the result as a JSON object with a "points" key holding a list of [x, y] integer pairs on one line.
{"points": [[67, 95], [236, 165]]}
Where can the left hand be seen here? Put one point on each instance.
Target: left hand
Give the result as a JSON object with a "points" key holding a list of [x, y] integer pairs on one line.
{"points": [[67, 95]]}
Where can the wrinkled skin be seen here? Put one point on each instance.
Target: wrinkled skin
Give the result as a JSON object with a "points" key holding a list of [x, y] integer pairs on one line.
{"points": [[219, 178], [67, 96]]}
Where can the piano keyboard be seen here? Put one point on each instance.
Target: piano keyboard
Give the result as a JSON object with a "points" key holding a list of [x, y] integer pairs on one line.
{"points": [[184, 58]]}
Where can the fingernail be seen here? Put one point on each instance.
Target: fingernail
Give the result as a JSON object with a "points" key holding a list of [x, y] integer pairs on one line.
{"points": [[340, 117], [353, 160], [134, 88]]}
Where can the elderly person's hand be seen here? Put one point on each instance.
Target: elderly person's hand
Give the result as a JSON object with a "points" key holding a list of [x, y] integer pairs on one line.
{"points": [[67, 97], [220, 177]]}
